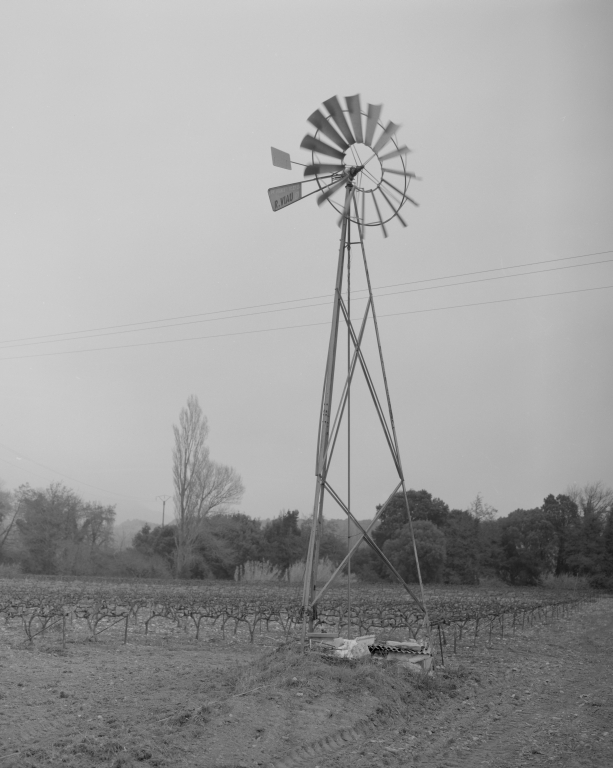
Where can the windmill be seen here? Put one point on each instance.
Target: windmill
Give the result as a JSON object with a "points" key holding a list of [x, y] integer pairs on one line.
{"points": [[370, 168]]}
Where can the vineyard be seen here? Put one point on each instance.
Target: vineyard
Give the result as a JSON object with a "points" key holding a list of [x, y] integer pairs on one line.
{"points": [[264, 613]]}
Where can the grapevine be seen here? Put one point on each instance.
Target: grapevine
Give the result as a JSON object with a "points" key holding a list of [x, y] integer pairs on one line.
{"points": [[249, 610]]}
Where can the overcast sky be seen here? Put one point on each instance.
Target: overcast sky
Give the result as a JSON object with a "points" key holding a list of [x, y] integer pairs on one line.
{"points": [[134, 164]]}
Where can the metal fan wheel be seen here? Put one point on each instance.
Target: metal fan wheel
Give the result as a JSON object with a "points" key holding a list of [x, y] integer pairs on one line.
{"points": [[368, 182]]}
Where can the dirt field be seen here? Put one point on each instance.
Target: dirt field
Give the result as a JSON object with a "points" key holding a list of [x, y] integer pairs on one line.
{"points": [[541, 697]]}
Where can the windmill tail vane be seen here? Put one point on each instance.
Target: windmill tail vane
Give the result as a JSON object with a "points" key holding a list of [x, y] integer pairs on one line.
{"points": [[370, 166]]}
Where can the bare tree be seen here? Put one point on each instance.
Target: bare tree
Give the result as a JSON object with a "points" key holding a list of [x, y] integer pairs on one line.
{"points": [[97, 527], [592, 499], [481, 509], [201, 485]]}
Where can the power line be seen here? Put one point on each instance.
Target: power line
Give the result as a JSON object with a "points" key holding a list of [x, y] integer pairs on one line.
{"points": [[68, 477], [304, 306], [293, 301], [497, 301], [23, 469], [303, 325]]}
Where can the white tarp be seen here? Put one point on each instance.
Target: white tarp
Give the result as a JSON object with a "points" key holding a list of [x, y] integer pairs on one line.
{"points": [[353, 649]]}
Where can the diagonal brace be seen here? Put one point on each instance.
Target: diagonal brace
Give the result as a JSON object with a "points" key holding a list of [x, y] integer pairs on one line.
{"points": [[373, 393], [356, 545], [370, 542], [366, 536], [343, 401]]}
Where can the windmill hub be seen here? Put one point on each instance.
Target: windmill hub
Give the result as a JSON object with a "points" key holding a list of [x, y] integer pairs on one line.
{"points": [[364, 166], [372, 168]]}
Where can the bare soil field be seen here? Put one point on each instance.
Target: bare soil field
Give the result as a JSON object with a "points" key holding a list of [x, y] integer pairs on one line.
{"points": [[540, 697]]}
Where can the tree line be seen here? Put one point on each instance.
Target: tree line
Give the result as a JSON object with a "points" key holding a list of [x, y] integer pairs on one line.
{"points": [[570, 534], [54, 531]]}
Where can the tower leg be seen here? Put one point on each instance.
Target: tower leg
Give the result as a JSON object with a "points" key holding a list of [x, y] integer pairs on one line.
{"points": [[310, 575]]}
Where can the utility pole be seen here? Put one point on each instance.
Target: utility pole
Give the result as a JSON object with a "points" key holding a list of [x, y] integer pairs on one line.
{"points": [[163, 498]]}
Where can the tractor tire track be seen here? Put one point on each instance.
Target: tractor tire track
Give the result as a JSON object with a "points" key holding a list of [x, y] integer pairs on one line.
{"points": [[540, 698]]}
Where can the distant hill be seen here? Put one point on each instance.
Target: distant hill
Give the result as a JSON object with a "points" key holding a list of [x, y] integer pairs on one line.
{"points": [[125, 532]]}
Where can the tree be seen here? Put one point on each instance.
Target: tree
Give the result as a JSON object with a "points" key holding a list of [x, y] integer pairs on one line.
{"points": [[430, 544], [60, 532], [490, 552], [97, 527], [588, 550], [283, 542], [365, 564], [527, 547], [594, 502], [143, 541], [423, 507], [563, 513], [229, 542], [159, 542], [201, 485], [5, 504], [462, 546], [607, 559], [48, 528], [481, 509], [9, 510], [245, 535], [594, 498]]}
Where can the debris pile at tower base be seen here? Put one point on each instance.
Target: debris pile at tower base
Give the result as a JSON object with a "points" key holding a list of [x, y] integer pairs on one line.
{"points": [[411, 655]]}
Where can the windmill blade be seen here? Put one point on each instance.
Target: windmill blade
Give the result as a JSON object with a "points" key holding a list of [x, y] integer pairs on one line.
{"points": [[400, 192], [317, 169], [332, 190], [355, 114], [386, 136], [334, 108], [374, 111], [395, 153], [382, 225], [391, 205], [315, 145], [319, 121], [408, 174]]}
